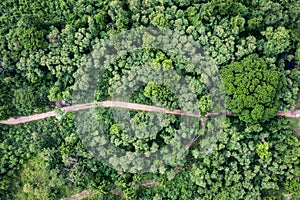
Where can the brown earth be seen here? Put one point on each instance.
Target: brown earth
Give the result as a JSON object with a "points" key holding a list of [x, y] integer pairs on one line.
{"points": [[81, 195], [127, 105]]}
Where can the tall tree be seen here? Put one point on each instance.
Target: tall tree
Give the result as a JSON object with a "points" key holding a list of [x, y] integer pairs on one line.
{"points": [[252, 89]]}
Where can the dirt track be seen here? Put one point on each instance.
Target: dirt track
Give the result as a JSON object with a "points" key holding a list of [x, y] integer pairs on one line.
{"points": [[126, 105]]}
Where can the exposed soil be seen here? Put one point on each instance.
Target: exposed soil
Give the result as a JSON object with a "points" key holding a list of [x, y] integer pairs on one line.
{"points": [[297, 132], [81, 195], [288, 197], [126, 105]]}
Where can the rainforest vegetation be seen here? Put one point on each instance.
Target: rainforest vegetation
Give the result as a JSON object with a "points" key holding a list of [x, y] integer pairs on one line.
{"points": [[51, 54]]}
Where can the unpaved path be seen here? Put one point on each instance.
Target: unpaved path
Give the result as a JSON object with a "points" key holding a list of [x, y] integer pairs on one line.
{"points": [[126, 105], [290, 114], [82, 195]]}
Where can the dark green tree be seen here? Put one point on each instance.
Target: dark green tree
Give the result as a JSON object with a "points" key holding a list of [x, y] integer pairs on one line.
{"points": [[5, 100], [30, 34], [25, 100], [38, 182], [252, 89]]}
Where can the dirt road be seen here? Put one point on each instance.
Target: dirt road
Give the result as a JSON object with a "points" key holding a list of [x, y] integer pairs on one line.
{"points": [[126, 105]]}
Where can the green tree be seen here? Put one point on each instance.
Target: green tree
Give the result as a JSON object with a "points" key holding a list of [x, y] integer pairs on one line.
{"points": [[29, 32], [252, 89], [25, 100], [119, 15], [6, 107], [232, 170], [277, 41], [160, 20], [38, 182], [297, 54], [262, 149], [55, 94], [293, 187]]}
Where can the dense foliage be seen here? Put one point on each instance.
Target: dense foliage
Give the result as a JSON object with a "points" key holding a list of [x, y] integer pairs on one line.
{"points": [[46, 45], [253, 90]]}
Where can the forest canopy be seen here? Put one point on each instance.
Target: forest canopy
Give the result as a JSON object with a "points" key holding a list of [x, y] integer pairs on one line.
{"points": [[48, 47]]}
